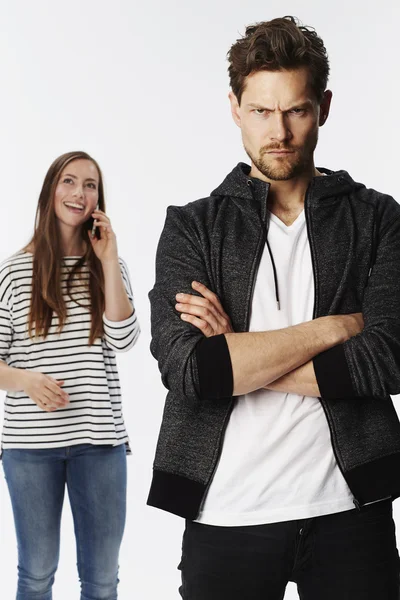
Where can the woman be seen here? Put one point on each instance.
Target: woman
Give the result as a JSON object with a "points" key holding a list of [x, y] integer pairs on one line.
{"points": [[66, 307]]}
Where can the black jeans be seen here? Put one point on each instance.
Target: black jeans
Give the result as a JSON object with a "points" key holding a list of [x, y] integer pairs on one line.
{"points": [[344, 556]]}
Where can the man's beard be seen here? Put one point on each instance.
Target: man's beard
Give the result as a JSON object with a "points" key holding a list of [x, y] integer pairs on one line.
{"points": [[288, 165]]}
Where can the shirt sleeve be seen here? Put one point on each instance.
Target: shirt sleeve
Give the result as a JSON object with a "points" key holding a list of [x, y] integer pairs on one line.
{"points": [[6, 325], [120, 336]]}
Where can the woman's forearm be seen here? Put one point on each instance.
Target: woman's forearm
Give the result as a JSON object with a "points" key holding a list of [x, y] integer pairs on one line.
{"points": [[11, 378], [118, 306]]}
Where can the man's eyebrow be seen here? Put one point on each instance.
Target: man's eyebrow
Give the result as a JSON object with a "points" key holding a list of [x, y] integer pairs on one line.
{"points": [[305, 104], [259, 106]]}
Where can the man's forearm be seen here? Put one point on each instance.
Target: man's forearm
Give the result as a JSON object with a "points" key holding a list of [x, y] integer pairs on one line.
{"points": [[301, 381], [261, 358]]}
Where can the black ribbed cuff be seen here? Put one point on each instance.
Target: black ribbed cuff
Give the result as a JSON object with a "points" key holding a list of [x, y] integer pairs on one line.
{"points": [[214, 368], [332, 374]]}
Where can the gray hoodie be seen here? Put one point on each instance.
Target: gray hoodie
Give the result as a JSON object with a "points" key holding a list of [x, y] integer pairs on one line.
{"points": [[354, 236]]}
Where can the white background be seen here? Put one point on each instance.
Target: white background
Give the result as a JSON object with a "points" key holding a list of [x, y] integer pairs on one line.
{"points": [[142, 86]]}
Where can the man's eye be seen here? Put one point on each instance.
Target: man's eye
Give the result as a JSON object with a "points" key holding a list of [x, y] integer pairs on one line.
{"points": [[297, 111], [259, 111]]}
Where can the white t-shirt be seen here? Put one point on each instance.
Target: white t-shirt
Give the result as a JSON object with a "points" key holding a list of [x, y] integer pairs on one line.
{"points": [[277, 462]]}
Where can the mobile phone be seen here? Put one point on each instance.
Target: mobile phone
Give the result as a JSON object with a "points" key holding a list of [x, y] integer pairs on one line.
{"points": [[94, 224]]}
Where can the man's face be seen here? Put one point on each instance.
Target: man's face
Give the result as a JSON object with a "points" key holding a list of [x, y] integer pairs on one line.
{"points": [[279, 117]]}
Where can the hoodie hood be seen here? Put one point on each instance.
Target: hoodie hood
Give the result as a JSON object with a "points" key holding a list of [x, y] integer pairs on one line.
{"points": [[238, 184]]}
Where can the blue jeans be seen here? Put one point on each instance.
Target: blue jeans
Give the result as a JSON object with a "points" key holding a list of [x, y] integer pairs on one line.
{"points": [[96, 480]]}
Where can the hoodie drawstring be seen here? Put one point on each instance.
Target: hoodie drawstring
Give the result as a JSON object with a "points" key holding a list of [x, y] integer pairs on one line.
{"points": [[278, 304]]}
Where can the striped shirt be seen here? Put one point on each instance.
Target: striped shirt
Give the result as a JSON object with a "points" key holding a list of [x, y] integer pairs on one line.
{"points": [[94, 413]]}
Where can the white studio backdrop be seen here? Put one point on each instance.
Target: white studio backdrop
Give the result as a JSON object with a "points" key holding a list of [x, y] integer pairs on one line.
{"points": [[142, 86]]}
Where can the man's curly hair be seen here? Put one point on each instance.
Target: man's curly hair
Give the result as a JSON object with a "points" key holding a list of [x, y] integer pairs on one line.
{"points": [[275, 45]]}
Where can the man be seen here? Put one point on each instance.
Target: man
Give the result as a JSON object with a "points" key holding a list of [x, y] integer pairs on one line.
{"points": [[279, 443]]}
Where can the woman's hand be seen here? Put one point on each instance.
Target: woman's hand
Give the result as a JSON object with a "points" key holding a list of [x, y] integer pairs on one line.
{"points": [[45, 391], [105, 248], [206, 313]]}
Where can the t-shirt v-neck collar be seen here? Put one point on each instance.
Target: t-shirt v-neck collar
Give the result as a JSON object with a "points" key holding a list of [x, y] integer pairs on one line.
{"points": [[288, 228]]}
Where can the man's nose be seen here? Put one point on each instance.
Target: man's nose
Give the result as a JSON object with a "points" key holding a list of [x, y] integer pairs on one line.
{"points": [[279, 128]]}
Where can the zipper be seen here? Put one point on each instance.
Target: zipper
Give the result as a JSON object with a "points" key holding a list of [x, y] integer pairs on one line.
{"points": [[356, 502], [307, 211], [311, 242], [262, 238], [256, 264], [260, 248], [359, 506]]}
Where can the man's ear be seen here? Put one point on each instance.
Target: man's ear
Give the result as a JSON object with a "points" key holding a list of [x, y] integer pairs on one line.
{"points": [[235, 108], [325, 107]]}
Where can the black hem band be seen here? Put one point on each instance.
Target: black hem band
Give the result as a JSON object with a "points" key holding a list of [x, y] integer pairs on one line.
{"points": [[372, 481], [376, 480]]}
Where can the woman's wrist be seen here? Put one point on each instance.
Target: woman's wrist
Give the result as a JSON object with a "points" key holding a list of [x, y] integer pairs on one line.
{"points": [[22, 377], [13, 379], [111, 262]]}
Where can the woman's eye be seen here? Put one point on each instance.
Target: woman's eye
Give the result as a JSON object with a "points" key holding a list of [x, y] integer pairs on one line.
{"points": [[92, 185], [68, 180]]}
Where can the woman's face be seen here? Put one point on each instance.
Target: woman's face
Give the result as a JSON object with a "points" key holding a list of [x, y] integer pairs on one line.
{"points": [[77, 193]]}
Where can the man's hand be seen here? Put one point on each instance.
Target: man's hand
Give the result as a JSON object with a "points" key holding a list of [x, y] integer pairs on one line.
{"points": [[206, 312], [208, 315]]}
